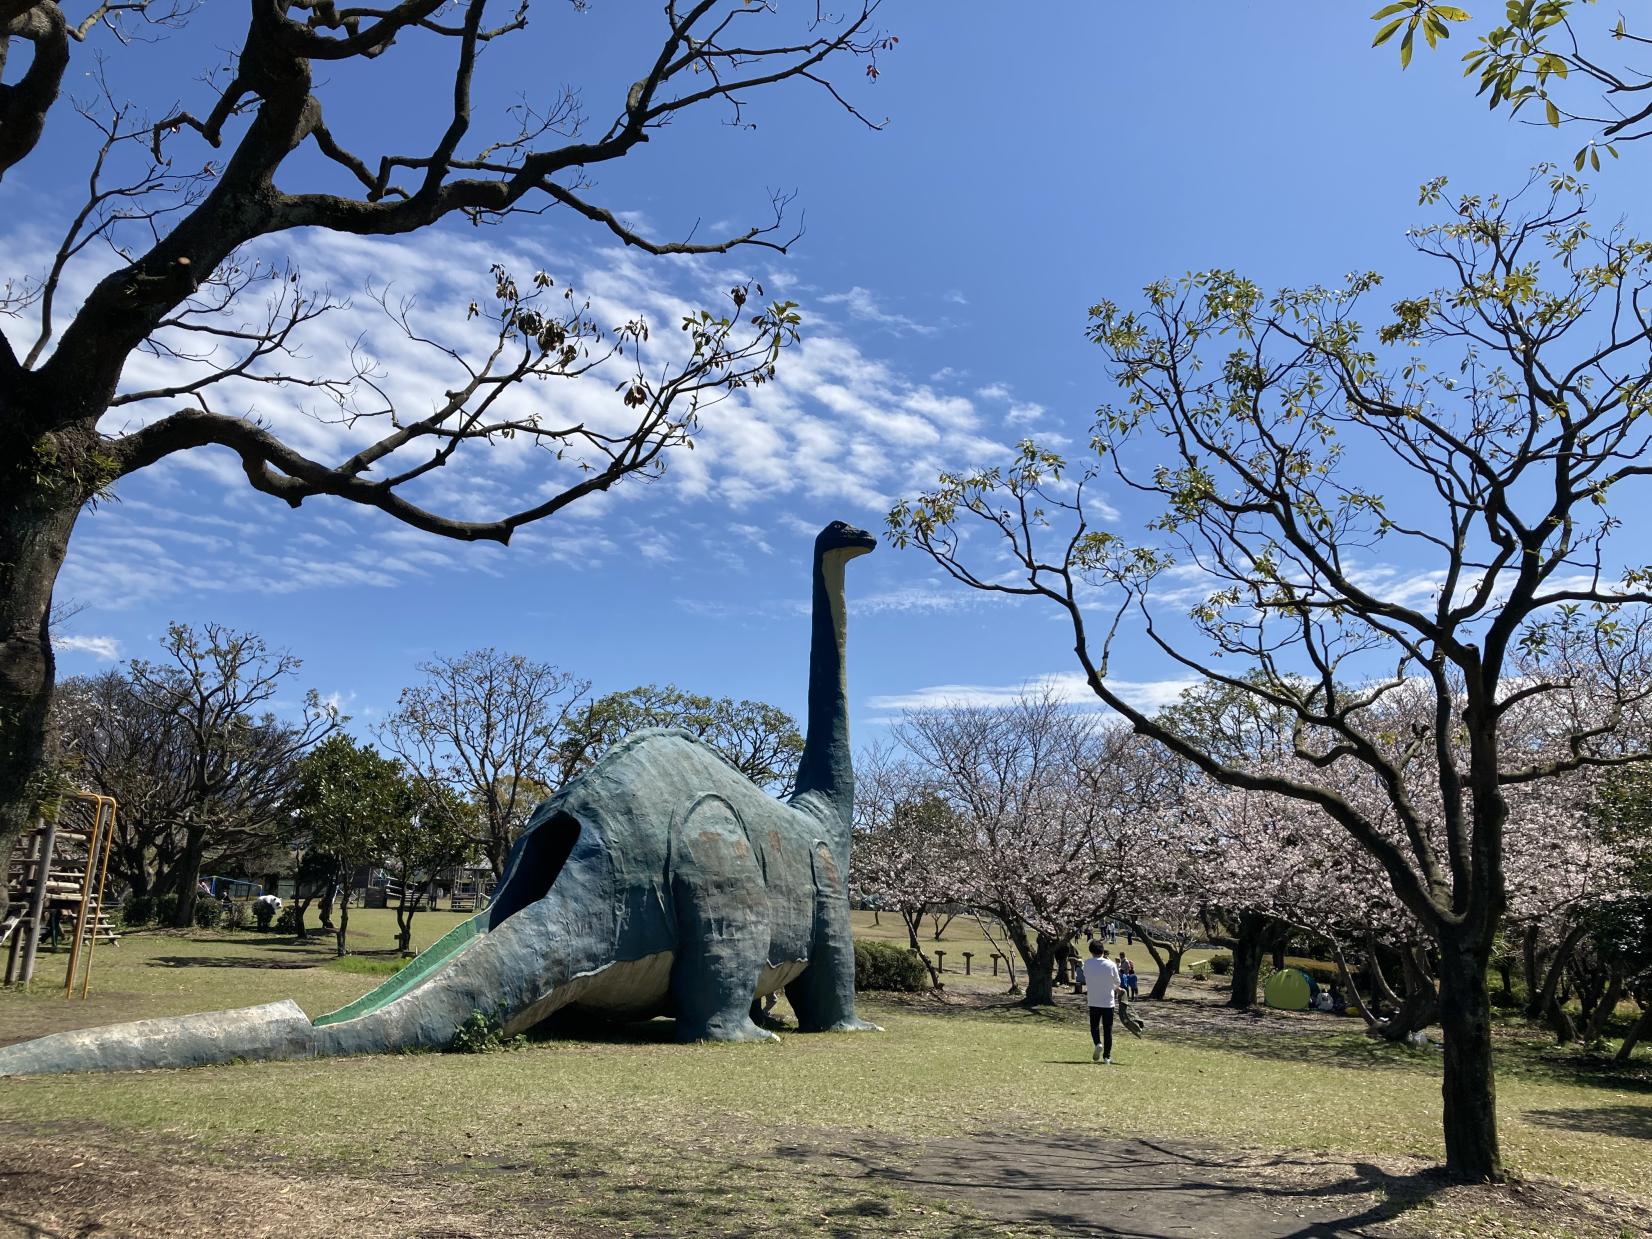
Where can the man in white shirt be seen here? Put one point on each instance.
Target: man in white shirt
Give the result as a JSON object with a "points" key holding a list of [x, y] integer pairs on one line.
{"points": [[1101, 983]]}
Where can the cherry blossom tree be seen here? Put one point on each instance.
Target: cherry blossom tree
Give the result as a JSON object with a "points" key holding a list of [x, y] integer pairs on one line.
{"points": [[907, 852], [1044, 799]]}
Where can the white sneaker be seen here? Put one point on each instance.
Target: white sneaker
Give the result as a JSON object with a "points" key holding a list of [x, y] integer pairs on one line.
{"points": [[1107, 1061], [1096, 1056]]}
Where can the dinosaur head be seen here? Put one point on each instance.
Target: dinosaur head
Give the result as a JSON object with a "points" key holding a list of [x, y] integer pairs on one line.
{"points": [[845, 540]]}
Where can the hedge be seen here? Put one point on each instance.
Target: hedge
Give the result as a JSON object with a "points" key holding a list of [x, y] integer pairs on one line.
{"points": [[883, 965]]}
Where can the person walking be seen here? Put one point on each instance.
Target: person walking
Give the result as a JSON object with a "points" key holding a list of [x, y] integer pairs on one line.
{"points": [[1101, 982]]}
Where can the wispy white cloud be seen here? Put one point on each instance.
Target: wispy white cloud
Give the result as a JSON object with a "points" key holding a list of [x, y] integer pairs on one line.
{"points": [[1069, 687], [106, 649], [841, 433], [862, 304], [753, 534]]}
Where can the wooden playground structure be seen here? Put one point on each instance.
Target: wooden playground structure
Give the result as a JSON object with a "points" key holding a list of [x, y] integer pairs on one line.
{"points": [[57, 874]]}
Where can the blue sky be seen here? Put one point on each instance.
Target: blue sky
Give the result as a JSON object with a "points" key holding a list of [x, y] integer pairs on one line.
{"points": [[1037, 159]]}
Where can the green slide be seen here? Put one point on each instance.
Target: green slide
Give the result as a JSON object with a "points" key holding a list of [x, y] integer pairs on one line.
{"points": [[423, 965]]}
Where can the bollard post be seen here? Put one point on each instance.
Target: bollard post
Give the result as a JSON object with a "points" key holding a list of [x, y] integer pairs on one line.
{"points": [[940, 961], [995, 958], [968, 955]]}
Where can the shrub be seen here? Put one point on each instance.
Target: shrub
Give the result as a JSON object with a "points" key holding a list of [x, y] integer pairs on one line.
{"points": [[482, 1033], [235, 914], [883, 965], [138, 910], [208, 912], [1221, 964], [287, 922], [166, 909], [1325, 974]]}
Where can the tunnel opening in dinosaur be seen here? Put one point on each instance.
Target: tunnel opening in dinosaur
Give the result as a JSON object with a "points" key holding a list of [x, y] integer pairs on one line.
{"points": [[535, 863]]}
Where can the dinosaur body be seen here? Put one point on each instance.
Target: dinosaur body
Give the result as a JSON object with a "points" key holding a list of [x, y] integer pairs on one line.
{"points": [[661, 881]]}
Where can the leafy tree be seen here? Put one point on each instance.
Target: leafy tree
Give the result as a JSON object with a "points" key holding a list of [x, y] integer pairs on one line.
{"points": [[1577, 65], [487, 727], [760, 740], [1481, 438], [180, 240], [200, 764], [435, 831], [349, 800]]}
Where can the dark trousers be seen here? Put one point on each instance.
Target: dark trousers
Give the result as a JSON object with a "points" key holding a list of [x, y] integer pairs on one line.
{"points": [[1101, 1029]]}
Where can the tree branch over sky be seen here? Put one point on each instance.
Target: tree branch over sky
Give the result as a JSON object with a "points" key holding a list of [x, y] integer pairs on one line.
{"points": [[167, 259], [1575, 62]]}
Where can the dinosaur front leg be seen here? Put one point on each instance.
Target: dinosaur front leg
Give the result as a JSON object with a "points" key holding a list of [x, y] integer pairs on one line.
{"points": [[722, 927], [824, 996]]}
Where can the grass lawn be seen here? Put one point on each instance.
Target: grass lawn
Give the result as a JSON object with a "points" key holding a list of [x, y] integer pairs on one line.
{"points": [[629, 1132]]}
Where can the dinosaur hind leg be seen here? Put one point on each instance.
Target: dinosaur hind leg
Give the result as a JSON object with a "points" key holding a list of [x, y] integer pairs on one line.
{"points": [[824, 996], [722, 927]]}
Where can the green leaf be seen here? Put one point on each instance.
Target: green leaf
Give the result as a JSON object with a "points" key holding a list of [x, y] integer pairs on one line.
{"points": [[1450, 13], [1405, 47], [1577, 164], [1552, 112], [1387, 32], [1594, 159], [1403, 6]]}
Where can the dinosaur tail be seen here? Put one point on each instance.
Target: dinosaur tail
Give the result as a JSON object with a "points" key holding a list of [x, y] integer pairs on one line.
{"points": [[510, 960]]}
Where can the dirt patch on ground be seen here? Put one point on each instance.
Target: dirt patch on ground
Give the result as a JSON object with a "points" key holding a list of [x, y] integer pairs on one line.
{"points": [[77, 1185]]}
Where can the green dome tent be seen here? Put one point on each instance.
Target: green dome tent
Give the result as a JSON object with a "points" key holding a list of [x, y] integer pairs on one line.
{"points": [[1287, 990]]}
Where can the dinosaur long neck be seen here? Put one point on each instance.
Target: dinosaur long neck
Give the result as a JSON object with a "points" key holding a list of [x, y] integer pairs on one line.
{"points": [[827, 769]]}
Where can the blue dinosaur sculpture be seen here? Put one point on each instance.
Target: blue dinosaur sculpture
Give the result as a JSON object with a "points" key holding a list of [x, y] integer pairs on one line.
{"points": [[660, 881]]}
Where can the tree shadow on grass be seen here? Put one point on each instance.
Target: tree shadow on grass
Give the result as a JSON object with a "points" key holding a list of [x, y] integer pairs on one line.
{"points": [[1135, 1187], [683, 1191], [231, 961], [1634, 1122], [25, 1229]]}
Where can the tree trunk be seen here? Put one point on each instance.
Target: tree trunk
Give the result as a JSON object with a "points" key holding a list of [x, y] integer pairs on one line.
{"points": [[1642, 1028], [1039, 955], [1528, 961], [913, 921], [404, 918], [34, 537], [188, 875], [1469, 1087], [1541, 1001], [1168, 964], [325, 913], [1279, 957], [1041, 972], [1604, 1009], [343, 916], [1248, 947]]}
